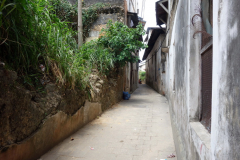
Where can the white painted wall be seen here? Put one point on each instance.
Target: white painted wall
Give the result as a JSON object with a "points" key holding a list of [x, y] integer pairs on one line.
{"points": [[183, 84], [154, 71], [226, 76]]}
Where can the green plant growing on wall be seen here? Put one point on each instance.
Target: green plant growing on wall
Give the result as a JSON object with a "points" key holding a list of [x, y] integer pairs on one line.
{"points": [[122, 42]]}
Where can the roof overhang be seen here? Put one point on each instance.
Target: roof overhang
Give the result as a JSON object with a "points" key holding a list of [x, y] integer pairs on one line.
{"points": [[148, 29], [162, 12], [154, 36]]}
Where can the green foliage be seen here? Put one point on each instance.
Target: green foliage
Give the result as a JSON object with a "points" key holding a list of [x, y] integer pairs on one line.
{"points": [[114, 48], [122, 41], [64, 10], [97, 56], [142, 75], [31, 34], [4, 6]]}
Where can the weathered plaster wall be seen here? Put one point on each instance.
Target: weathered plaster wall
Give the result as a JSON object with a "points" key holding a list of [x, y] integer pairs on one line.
{"points": [[226, 78], [154, 71], [178, 78], [112, 2], [182, 85], [90, 2], [101, 22], [134, 81]]}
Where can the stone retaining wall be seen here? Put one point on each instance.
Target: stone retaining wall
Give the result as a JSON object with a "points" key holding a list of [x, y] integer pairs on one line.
{"points": [[33, 123]]}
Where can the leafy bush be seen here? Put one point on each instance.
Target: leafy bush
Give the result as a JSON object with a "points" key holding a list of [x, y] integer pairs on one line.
{"points": [[114, 48], [122, 41]]}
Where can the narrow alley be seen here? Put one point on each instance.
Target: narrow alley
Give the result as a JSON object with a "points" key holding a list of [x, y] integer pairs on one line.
{"points": [[136, 129]]}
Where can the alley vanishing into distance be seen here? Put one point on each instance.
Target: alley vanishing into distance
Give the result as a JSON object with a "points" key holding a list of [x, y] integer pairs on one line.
{"points": [[135, 129]]}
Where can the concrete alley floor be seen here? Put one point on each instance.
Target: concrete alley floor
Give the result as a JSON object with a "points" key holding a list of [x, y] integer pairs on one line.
{"points": [[135, 129]]}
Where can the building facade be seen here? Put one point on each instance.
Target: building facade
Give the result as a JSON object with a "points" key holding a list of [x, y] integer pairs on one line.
{"points": [[201, 75], [153, 57]]}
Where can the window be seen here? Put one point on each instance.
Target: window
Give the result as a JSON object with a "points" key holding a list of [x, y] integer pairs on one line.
{"points": [[206, 85], [206, 65]]}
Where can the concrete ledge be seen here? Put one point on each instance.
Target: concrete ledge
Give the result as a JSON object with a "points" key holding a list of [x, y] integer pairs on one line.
{"points": [[55, 129], [201, 139]]}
